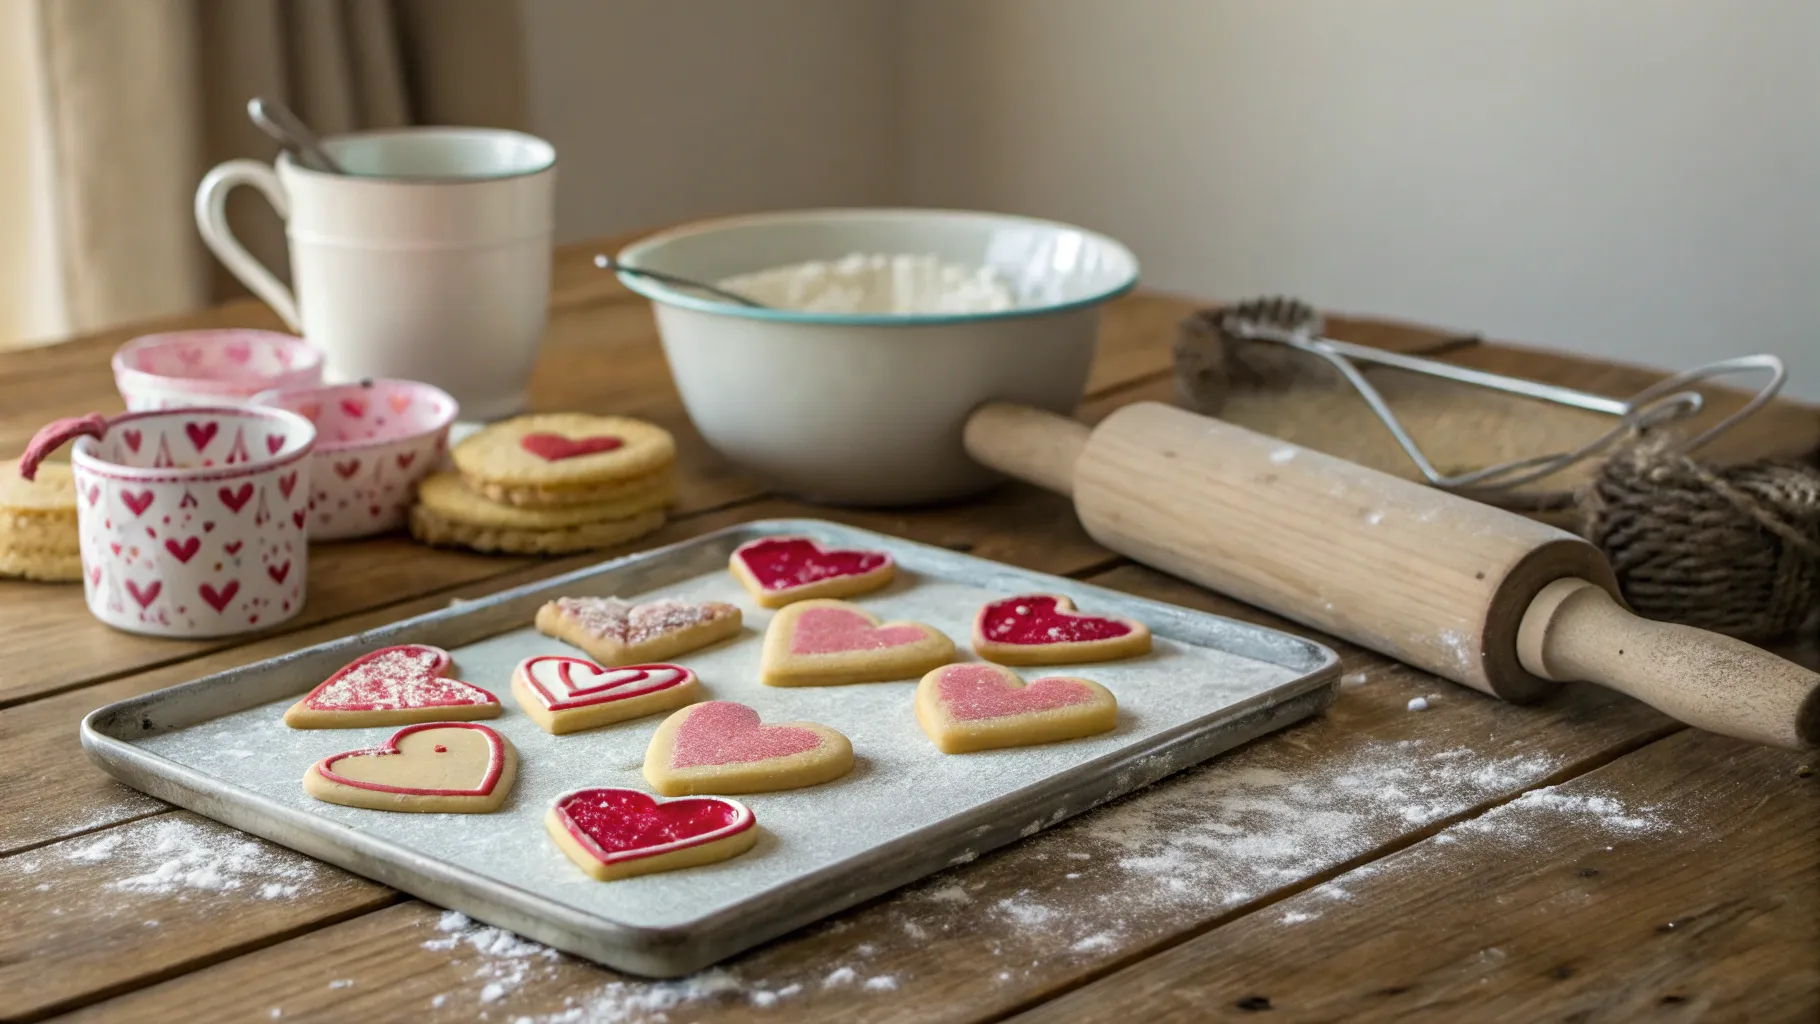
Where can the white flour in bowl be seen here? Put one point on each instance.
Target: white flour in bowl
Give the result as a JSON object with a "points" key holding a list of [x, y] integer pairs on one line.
{"points": [[876, 283]]}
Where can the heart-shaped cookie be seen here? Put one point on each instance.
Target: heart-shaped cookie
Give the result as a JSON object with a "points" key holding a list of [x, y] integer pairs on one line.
{"points": [[441, 767], [1044, 629], [617, 833], [825, 643], [616, 632], [564, 694], [780, 570], [721, 747], [392, 686], [975, 706]]}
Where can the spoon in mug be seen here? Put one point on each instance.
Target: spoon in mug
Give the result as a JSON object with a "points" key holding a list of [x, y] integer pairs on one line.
{"points": [[275, 119], [605, 262]]}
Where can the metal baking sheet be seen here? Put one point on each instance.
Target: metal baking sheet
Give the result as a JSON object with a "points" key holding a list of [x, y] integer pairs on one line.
{"points": [[219, 747]]}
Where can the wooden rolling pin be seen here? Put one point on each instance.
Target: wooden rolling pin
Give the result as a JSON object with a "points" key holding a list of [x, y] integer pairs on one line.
{"points": [[1481, 596]]}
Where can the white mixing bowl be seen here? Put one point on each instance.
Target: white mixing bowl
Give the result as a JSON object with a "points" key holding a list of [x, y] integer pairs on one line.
{"points": [[867, 409]]}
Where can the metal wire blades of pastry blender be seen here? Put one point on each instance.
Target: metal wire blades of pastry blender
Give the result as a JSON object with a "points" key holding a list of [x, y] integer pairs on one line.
{"points": [[1299, 326]]}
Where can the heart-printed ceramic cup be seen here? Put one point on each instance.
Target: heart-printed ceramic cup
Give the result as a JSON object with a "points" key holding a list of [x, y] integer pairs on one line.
{"points": [[375, 442], [192, 521], [184, 369]]}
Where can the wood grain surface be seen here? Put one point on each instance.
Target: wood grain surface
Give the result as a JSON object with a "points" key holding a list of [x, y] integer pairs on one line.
{"points": [[1207, 883]]}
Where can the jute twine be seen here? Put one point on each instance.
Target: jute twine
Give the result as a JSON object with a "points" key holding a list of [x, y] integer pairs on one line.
{"points": [[1732, 549]]}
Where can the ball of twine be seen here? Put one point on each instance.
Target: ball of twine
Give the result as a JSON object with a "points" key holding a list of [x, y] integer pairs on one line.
{"points": [[1732, 549]]}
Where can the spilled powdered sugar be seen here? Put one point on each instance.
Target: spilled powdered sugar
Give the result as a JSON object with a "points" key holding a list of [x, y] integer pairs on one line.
{"points": [[175, 856]]}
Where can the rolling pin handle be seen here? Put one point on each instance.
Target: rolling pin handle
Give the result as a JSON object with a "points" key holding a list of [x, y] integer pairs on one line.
{"points": [[1573, 630], [1030, 444]]}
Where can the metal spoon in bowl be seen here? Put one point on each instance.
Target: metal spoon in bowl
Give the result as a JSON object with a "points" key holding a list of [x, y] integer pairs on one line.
{"points": [[605, 262], [275, 119]]}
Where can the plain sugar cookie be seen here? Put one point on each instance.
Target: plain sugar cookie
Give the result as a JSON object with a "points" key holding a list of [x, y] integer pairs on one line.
{"points": [[975, 706], [392, 686], [436, 767], [446, 495], [563, 694], [826, 643], [618, 833], [721, 747], [1044, 629], [616, 632], [780, 570], [432, 528]]}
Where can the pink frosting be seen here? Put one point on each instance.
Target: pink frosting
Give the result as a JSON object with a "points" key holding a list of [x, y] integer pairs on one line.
{"points": [[722, 732], [973, 692], [836, 630]]}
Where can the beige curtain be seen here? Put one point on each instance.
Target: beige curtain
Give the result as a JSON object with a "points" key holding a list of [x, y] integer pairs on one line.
{"points": [[142, 96]]}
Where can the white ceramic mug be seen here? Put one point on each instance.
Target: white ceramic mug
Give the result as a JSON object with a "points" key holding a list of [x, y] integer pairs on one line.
{"points": [[429, 261]]}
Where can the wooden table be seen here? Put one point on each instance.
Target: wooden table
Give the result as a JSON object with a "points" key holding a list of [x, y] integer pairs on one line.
{"points": [[1586, 859]]}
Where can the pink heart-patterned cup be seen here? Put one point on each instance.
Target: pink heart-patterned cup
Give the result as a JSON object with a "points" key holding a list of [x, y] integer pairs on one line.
{"points": [[193, 521], [375, 442], [184, 369]]}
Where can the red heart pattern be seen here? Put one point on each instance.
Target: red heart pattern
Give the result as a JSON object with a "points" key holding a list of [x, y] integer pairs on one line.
{"points": [[1035, 619], [721, 732], [555, 447], [200, 434], [185, 551], [235, 498], [218, 599], [146, 595], [973, 692], [347, 469], [784, 563], [562, 683], [137, 502], [278, 572], [132, 438], [618, 825]]}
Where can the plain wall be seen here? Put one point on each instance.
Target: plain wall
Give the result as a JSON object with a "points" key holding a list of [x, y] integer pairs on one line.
{"points": [[1638, 179]]}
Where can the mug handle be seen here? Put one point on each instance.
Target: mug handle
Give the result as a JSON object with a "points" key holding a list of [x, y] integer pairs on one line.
{"points": [[52, 435], [211, 221]]}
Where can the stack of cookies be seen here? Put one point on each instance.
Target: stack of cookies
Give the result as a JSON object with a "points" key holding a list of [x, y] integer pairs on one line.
{"points": [[550, 484], [38, 535]]}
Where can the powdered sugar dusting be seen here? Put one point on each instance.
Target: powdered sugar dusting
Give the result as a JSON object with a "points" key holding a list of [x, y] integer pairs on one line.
{"points": [[177, 856], [396, 677], [613, 619]]}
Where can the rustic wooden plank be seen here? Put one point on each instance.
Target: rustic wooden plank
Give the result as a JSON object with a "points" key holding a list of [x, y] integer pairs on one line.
{"points": [[1681, 881], [1011, 928], [152, 898]]}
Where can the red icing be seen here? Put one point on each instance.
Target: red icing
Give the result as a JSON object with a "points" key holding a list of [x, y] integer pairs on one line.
{"points": [[553, 447], [973, 692], [836, 630], [581, 683], [785, 563], [624, 824], [496, 760], [1035, 619], [395, 678], [722, 732]]}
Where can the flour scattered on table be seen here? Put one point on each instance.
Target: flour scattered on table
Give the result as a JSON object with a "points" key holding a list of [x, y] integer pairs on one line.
{"points": [[1353, 679], [952, 893], [1418, 703], [1098, 940], [840, 976], [1297, 917], [1282, 455], [173, 856], [342, 983], [1544, 808]]}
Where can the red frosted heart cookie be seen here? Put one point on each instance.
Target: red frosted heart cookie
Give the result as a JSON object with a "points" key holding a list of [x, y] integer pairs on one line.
{"points": [[779, 570], [824, 643], [1044, 629], [721, 747], [565, 459], [618, 833], [555, 447], [392, 686], [616, 632], [970, 707], [441, 767], [565, 695]]}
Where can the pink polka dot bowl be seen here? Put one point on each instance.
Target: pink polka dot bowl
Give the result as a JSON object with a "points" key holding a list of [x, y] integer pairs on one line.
{"points": [[222, 367], [375, 442], [191, 521]]}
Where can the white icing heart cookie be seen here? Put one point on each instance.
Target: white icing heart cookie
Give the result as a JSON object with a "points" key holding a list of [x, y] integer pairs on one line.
{"points": [[440, 767], [721, 747], [974, 706], [824, 643], [1044, 629], [618, 833], [780, 570], [392, 686], [616, 632], [565, 695]]}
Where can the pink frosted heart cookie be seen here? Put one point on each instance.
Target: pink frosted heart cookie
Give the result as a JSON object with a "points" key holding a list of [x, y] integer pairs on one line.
{"points": [[616, 632], [971, 707], [721, 747], [564, 694], [780, 570], [618, 833], [439, 767], [825, 643], [392, 686], [1044, 629]]}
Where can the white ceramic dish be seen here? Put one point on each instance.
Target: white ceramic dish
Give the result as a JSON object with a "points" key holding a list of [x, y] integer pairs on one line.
{"points": [[867, 409], [180, 369]]}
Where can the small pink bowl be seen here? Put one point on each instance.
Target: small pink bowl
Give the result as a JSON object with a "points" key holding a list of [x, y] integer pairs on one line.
{"points": [[375, 442], [223, 367]]}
